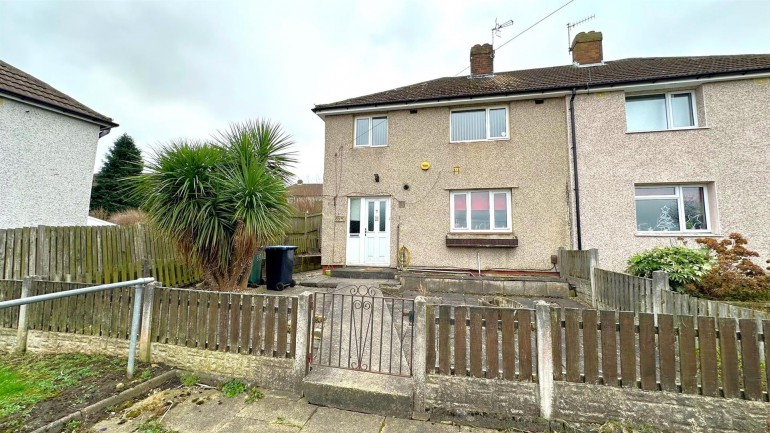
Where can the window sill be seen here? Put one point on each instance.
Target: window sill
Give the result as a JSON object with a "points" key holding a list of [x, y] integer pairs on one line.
{"points": [[678, 235], [355, 146], [694, 128], [482, 240], [481, 141]]}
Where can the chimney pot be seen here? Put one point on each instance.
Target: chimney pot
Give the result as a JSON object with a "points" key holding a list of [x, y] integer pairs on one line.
{"points": [[587, 48], [482, 59]]}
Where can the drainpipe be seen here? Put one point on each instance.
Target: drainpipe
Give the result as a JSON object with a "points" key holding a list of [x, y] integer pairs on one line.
{"points": [[575, 169]]}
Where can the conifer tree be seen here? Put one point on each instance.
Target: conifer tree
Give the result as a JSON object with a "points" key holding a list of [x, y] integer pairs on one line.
{"points": [[111, 184]]}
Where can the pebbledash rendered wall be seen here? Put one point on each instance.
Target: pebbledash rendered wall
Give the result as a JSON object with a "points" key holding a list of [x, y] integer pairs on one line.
{"points": [[532, 164], [728, 151], [46, 166]]}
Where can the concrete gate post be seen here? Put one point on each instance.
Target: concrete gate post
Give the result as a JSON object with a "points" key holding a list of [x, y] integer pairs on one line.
{"points": [[544, 358], [418, 363], [303, 329]]}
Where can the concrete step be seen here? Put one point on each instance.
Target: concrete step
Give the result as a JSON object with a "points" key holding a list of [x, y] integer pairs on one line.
{"points": [[364, 273], [359, 391]]}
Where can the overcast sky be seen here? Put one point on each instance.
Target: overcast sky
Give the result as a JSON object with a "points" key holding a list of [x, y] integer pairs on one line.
{"points": [[169, 69]]}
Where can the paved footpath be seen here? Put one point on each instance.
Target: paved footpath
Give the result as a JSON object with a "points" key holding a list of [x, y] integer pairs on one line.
{"points": [[199, 410]]}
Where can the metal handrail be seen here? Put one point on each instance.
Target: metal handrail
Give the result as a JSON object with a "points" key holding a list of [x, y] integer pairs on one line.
{"points": [[138, 284]]}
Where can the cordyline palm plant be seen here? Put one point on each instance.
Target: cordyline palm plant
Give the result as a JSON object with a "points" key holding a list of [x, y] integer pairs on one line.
{"points": [[221, 200]]}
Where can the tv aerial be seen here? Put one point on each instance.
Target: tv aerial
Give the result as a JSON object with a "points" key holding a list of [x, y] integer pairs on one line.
{"points": [[499, 26], [570, 26]]}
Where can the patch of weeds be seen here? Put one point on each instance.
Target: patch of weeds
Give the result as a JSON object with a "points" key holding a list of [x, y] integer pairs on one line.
{"points": [[253, 394], [283, 421], [614, 426], [73, 426], [153, 426], [189, 379], [146, 374], [233, 388], [319, 319]]}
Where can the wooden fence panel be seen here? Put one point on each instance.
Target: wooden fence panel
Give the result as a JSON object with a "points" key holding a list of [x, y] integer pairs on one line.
{"points": [[590, 347], [258, 327], [558, 371], [687, 355], [647, 365], [609, 348], [430, 339], [461, 364], [524, 320], [444, 352], [728, 352], [752, 382], [283, 318], [508, 318], [627, 349], [572, 343], [476, 345], [667, 352], [708, 356]]}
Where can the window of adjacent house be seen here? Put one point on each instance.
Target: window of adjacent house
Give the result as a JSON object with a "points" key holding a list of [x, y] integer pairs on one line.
{"points": [[672, 208], [480, 124], [661, 111], [481, 211], [371, 131]]}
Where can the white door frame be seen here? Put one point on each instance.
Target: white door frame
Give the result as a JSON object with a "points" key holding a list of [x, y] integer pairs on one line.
{"points": [[356, 245]]}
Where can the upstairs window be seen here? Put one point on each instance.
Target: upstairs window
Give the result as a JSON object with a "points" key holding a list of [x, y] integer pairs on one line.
{"points": [[479, 124], [661, 111], [371, 131], [481, 211], [672, 208]]}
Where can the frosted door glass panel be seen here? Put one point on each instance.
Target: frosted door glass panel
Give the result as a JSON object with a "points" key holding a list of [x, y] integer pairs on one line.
{"points": [[362, 132], [469, 125], [657, 215], [497, 123], [370, 213], [355, 216], [382, 216], [379, 131], [681, 111], [646, 113], [694, 208]]}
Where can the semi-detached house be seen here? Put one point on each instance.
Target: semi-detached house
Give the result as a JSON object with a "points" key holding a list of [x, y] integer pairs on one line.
{"points": [[497, 170]]}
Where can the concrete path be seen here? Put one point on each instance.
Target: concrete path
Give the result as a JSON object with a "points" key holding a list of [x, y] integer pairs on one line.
{"points": [[199, 410]]}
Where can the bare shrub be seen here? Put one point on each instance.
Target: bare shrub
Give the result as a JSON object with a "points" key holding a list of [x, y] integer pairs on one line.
{"points": [[128, 217]]}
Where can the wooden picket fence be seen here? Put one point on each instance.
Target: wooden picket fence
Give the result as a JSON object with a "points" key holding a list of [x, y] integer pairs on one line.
{"points": [[226, 322], [693, 355], [304, 232], [623, 292], [107, 313], [92, 254], [575, 263], [484, 342]]}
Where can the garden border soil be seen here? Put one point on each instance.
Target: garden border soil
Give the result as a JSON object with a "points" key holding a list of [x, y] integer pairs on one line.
{"points": [[128, 394]]}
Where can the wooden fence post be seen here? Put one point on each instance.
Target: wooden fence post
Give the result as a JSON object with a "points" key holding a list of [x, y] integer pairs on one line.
{"points": [[560, 261], [659, 284], [21, 332], [544, 358], [145, 343], [418, 363], [593, 262]]}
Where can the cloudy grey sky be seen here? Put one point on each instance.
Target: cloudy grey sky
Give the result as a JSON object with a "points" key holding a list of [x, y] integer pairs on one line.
{"points": [[169, 69]]}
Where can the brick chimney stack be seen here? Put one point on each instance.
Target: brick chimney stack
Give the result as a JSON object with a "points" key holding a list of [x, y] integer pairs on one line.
{"points": [[482, 59], [587, 48]]}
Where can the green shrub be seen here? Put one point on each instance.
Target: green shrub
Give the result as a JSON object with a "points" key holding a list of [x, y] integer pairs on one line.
{"points": [[683, 265], [233, 388], [189, 379]]}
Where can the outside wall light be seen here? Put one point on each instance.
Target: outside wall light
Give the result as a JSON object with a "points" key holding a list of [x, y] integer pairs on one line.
{"points": [[376, 177]]}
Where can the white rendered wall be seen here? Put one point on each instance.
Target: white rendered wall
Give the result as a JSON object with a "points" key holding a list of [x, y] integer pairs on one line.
{"points": [[46, 166]]}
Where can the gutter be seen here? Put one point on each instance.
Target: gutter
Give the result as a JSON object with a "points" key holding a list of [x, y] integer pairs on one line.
{"points": [[104, 125], [544, 93], [575, 168]]}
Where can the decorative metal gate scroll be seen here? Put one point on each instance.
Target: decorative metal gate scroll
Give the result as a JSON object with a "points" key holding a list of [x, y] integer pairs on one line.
{"points": [[357, 328]]}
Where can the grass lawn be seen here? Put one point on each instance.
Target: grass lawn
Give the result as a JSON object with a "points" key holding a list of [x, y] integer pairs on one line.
{"points": [[35, 390]]}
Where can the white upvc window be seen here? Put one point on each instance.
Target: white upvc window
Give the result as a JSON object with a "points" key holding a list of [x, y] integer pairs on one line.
{"points": [[480, 211], [672, 208], [661, 111], [478, 124], [371, 131]]}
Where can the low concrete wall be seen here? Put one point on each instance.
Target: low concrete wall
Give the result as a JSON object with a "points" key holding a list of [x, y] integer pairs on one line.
{"points": [[272, 373], [521, 286], [668, 411], [480, 402]]}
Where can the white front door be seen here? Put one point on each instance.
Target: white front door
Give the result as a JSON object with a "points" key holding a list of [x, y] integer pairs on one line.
{"points": [[368, 240]]}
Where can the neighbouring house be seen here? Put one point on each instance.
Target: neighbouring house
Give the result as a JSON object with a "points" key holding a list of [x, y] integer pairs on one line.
{"points": [[47, 151], [305, 196], [497, 170]]}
